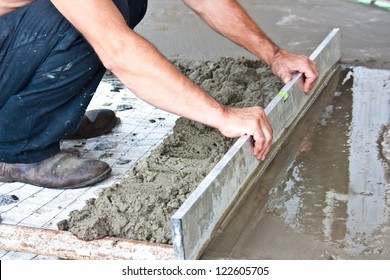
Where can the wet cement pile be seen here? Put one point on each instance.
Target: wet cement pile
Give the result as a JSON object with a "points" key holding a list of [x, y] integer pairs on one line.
{"points": [[140, 207]]}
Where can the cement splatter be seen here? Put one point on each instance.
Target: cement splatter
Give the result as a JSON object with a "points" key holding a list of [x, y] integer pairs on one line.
{"points": [[6, 199]]}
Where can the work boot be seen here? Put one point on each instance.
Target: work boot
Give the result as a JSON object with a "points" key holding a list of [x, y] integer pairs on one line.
{"points": [[62, 171], [95, 123]]}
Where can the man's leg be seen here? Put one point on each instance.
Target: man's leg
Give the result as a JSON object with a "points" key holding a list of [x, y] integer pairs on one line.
{"points": [[49, 75]]}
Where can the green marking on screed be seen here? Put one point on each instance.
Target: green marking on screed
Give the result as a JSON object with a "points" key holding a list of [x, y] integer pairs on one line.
{"points": [[283, 94]]}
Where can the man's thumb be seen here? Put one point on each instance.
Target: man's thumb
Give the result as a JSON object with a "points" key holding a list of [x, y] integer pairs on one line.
{"points": [[286, 77]]}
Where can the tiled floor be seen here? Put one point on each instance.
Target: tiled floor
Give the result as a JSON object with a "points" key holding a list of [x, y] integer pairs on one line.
{"points": [[141, 129]]}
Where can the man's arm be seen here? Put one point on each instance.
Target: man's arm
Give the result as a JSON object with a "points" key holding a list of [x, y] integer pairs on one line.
{"points": [[10, 5], [147, 73], [228, 18]]}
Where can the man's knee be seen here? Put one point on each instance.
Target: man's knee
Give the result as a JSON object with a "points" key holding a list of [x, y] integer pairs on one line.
{"points": [[137, 11], [132, 10]]}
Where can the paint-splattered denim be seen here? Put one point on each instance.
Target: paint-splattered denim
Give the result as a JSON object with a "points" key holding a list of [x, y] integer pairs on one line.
{"points": [[48, 75]]}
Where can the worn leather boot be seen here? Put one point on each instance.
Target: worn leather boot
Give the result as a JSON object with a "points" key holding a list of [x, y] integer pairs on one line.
{"points": [[62, 171], [95, 123]]}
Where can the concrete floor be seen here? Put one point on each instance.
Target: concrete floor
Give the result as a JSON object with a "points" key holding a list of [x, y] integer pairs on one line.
{"points": [[325, 194], [296, 25]]}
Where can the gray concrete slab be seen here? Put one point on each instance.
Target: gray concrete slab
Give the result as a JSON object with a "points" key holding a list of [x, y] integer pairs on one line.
{"points": [[325, 196], [296, 25]]}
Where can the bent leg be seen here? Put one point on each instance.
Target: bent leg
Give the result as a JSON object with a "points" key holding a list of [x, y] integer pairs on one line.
{"points": [[49, 75]]}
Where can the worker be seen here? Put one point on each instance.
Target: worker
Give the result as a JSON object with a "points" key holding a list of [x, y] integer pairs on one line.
{"points": [[54, 53]]}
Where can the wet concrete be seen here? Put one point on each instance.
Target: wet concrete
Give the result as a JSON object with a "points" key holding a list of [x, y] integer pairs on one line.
{"points": [[326, 194], [141, 205]]}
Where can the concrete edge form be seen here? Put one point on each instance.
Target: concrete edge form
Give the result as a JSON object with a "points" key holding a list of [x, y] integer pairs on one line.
{"points": [[67, 246], [193, 223]]}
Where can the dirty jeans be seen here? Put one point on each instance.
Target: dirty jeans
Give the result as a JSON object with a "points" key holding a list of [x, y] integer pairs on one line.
{"points": [[48, 75]]}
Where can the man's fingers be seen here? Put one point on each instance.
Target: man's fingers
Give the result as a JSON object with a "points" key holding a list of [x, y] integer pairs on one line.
{"points": [[262, 147], [249, 121], [287, 63], [309, 70], [286, 77], [268, 142], [258, 146], [263, 141], [309, 82]]}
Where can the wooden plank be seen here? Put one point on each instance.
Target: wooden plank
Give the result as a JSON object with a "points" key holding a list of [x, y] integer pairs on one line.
{"points": [[65, 245]]}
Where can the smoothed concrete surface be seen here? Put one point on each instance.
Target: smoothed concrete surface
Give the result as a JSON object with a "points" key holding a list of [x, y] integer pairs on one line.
{"points": [[295, 25]]}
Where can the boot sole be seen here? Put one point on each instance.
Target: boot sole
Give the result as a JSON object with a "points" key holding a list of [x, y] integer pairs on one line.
{"points": [[6, 180], [93, 181]]}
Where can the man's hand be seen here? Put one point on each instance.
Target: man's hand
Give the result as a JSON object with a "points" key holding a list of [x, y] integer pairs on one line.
{"points": [[285, 63], [249, 121], [229, 18]]}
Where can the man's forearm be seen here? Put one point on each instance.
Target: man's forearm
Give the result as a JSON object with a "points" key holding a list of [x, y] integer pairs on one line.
{"points": [[228, 18], [154, 79]]}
